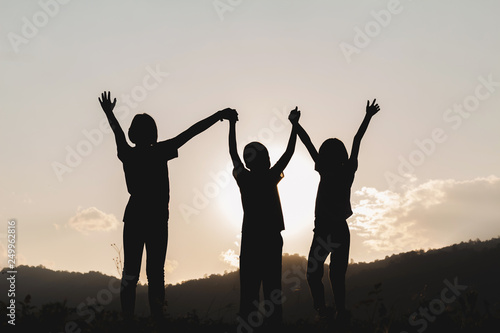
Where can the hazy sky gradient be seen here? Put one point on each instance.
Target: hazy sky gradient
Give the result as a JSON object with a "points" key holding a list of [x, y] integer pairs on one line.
{"points": [[262, 58]]}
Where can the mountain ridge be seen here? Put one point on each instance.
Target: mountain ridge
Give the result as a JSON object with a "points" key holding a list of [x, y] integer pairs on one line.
{"points": [[400, 283]]}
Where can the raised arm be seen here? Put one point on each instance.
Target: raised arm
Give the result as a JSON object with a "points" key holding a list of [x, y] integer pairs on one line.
{"points": [[201, 126], [290, 148], [107, 107], [233, 151], [304, 137], [371, 110]]}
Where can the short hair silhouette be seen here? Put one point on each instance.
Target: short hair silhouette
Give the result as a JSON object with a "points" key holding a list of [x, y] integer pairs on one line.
{"points": [[256, 156], [332, 153], [143, 130]]}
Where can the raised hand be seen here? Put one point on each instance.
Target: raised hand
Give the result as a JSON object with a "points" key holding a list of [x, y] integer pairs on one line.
{"points": [[372, 109], [294, 115], [106, 103], [229, 114]]}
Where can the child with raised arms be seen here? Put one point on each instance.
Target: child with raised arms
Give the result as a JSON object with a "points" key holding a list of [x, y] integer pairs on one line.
{"points": [[261, 241], [146, 215], [333, 207]]}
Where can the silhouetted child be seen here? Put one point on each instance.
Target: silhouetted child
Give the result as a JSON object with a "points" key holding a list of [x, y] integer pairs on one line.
{"points": [[333, 207], [146, 215], [261, 241]]}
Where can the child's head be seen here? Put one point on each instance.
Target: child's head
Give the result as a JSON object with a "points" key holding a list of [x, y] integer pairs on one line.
{"points": [[143, 131], [256, 156], [332, 153]]}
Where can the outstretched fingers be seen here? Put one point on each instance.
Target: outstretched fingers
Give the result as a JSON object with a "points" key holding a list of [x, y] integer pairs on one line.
{"points": [[105, 101], [103, 97], [373, 108]]}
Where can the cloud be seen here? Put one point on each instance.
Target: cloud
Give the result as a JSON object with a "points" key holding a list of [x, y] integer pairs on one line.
{"points": [[431, 214], [230, 257], [92, 219], [171, 265]]}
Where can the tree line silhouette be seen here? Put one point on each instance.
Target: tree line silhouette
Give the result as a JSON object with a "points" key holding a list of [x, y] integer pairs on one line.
{"points": [[383, 293]]}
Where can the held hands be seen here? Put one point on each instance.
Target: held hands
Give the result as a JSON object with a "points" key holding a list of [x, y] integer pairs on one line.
{"points": [[106, 103], [371, 110], [229, 114], [294, 116]]}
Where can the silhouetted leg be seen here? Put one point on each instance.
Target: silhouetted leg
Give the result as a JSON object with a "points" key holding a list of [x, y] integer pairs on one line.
{"points": [[250, 276], [273, 309], [156, 250], [315, 271], [338, 267], [133, 245]]}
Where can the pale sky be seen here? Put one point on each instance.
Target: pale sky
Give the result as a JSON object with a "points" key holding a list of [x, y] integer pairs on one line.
{"points": [[429, 165]]}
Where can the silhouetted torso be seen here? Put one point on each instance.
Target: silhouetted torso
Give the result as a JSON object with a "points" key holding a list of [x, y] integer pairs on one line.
{"points": [[333, 197], [146, 175], [260, 200]]}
